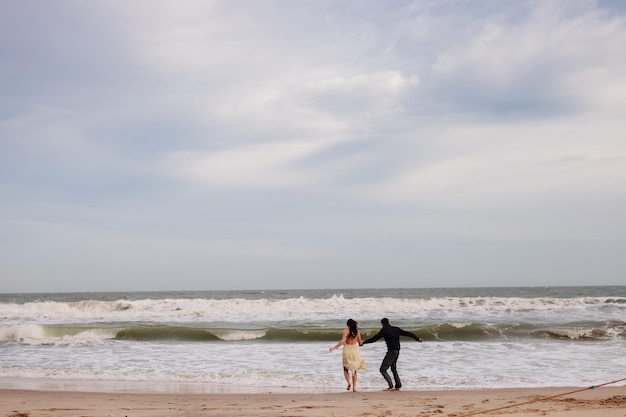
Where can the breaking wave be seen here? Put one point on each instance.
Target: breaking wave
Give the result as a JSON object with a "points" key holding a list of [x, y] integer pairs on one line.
{"points": [[34, 334], [309, 309]]}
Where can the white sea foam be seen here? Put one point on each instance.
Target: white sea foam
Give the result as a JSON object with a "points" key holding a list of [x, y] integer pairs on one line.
{"points": [[433, 365], [27, 331], [574, 333], [459, 325], [309, 310], [231, 335], [163, 340], [35, 334]]}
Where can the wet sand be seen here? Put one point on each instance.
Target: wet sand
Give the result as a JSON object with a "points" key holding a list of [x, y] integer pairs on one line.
{"points": [[579, 402]]}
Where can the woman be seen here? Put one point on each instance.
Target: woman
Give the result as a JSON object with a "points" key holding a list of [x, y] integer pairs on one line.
{"points": [[351, 356]]}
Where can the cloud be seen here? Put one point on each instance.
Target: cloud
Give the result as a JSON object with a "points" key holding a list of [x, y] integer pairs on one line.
{"points": [[364, 130], [122, 246], [253, 166], [303, 122], [531, 63], [522, 158], [516, 180], [363, 95]]}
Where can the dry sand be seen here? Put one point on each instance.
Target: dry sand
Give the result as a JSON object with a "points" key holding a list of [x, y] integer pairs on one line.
{"points": [[598, 402]]}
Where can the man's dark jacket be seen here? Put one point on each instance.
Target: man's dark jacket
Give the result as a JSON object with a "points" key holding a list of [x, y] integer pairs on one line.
{"points": [[392, 336]]}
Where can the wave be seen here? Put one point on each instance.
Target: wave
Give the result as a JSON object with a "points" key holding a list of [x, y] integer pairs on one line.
{"points": [[35, 334], [39, 335], [335, 308], [481, 331]]}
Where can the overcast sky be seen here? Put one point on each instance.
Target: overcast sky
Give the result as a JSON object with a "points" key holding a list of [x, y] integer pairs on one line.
{"points": [[206, 145]]}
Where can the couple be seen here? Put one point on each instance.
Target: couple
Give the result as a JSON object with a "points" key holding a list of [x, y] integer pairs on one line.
{"points": [[351, 356]]}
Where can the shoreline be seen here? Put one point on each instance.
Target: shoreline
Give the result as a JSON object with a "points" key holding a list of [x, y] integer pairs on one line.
{"points": [[203, 388], [585, 402]]}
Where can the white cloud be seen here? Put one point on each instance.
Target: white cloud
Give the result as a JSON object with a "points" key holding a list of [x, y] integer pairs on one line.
{"points": [[516, 164], [564, 52], [151, 249], [253, 166], [378, 126], [302, 120], [44, 128]]}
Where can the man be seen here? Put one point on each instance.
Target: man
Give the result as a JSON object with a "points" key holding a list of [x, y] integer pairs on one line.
{"points": [[391, 334]]}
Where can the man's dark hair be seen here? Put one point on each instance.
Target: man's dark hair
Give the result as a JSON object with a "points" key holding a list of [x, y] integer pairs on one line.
{"points": [[385, 321]]}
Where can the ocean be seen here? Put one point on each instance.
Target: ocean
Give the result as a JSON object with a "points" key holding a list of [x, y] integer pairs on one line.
{"points": [[277, 341]]}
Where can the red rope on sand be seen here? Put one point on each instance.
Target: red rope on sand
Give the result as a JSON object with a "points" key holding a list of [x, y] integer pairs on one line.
{"points": [[540, 399]]}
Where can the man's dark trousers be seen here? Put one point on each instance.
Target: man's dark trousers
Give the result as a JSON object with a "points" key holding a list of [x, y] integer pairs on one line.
{"points": [[390, 360]]}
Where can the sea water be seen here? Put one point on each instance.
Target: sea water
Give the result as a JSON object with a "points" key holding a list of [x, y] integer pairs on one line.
{"points": [[275, 341]]}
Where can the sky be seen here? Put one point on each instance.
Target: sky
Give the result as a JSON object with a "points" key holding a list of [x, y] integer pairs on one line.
{"points": [[213, 145]]}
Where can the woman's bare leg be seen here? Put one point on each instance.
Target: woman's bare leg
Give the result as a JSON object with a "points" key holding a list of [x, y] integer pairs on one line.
{"points": [[346, 374]]}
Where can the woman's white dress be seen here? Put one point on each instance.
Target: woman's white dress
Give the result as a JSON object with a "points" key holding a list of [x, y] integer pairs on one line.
{"points": [[351, 358]]}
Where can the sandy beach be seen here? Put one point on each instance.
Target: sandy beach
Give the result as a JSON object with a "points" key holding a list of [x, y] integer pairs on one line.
{"points": [[598, 402]]}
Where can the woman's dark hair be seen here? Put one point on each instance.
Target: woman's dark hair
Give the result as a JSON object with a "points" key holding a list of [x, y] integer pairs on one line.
{"points": [[352, 326]]}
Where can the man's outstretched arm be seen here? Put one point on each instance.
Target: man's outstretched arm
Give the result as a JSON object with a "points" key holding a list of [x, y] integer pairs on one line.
{"points": [[411, 335]]}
